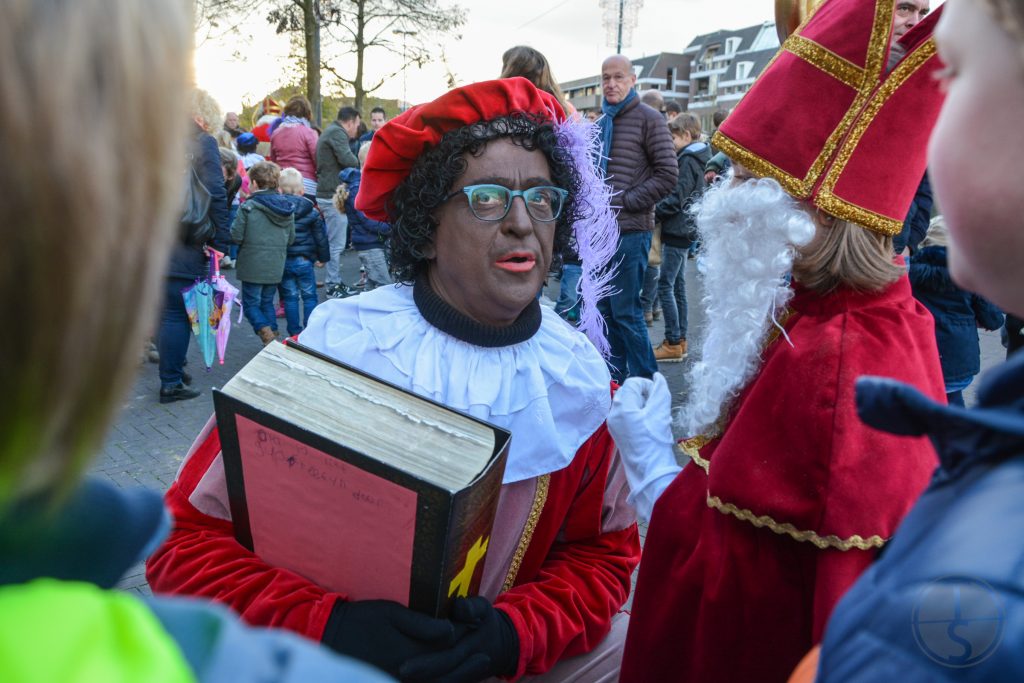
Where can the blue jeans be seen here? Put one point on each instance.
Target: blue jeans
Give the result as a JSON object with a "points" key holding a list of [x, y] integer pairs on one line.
{"points": [[568, 305], [672, 291], [298, 280], [258, 303], [174, 334], [631, 353], [649, 294]]}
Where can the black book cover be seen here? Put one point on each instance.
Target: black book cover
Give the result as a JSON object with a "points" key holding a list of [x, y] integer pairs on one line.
{"points": [[451, 534]]}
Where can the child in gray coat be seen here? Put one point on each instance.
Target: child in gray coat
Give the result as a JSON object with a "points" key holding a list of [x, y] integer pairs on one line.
{"points": [[263, 229]]}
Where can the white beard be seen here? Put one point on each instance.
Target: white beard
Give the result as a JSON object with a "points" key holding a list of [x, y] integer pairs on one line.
{"points": [[749, 234]]}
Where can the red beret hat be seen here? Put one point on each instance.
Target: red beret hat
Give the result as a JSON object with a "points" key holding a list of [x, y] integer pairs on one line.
{"points": [[832, 125], [404, 138]]}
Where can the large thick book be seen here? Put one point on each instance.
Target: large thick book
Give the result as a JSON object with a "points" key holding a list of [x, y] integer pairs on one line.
{"points": [[360, 486]]}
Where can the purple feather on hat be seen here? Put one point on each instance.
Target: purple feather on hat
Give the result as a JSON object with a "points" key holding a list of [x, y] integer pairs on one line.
{"points": [[597, 233]]}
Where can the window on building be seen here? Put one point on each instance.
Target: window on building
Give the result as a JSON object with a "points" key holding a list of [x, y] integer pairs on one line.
{"points": [[709, 54], [732, 44], [743, 70]]}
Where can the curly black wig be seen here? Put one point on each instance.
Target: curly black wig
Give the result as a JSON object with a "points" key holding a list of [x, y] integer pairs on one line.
{"points": [[435, 172]]}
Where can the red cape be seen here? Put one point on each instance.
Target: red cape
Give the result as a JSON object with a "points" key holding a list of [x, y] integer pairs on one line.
{"points": [[755, 541]]}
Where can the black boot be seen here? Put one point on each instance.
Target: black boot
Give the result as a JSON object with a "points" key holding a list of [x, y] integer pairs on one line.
{"points": [[177, 393]]}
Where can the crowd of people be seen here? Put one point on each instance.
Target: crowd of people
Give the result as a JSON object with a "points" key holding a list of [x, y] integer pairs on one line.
{"points": [[839, 514]]}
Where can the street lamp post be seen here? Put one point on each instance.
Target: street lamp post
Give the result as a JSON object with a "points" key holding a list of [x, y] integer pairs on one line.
{"points": [[405, 35]]}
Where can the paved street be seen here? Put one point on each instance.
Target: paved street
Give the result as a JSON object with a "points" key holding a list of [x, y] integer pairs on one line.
{"points": [[146, 444]]}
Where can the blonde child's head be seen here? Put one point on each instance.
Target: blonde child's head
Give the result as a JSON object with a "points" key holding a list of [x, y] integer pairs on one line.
{"points": [[364, 151], [80, 272], [265, 175], [290, 182]]}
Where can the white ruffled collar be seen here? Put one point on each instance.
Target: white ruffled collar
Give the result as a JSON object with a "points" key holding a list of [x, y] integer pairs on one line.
{"points": [[551, 391]]}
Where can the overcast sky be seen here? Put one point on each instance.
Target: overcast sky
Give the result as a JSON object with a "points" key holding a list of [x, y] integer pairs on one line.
{"points": [[569, 32]]}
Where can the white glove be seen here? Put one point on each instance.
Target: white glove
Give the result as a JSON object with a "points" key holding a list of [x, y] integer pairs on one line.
{"points": [[640, 421]]}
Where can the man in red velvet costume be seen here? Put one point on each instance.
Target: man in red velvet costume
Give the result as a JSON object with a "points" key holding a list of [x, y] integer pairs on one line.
{"points": [[786, 497], [466, 330]]}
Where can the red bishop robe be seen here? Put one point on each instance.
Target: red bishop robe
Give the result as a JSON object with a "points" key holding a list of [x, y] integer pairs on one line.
{"points": [[752, 545]]}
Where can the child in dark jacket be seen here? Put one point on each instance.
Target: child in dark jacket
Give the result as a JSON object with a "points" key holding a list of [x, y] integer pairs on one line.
{"points": [[264, 227], [957, 313], [678, 232], [368, 235], [308, 250]]}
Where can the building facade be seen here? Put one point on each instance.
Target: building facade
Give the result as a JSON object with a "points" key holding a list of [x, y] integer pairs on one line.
{"points": [[724, 65], [713, 73]]}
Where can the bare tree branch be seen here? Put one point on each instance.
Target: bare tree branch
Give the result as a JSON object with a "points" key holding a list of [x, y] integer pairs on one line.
{"points": [[337, 28]]}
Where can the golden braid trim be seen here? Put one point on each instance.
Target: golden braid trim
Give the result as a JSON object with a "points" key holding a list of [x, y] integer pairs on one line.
{"points": [[539, 498], [786, 529], [817, 55]]}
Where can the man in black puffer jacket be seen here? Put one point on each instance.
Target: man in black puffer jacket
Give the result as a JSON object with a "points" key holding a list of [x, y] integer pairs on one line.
{"points": [[641, 169], [309, 249]]}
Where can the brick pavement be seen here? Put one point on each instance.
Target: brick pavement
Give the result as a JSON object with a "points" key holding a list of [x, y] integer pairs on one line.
{"points": [[146, 444]]}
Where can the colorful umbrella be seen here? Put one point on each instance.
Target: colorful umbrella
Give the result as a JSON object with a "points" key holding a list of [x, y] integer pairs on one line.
{"points": [[208, 303]]}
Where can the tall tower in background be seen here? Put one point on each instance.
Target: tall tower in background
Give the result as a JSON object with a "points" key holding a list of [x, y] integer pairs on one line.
{"points": [[620, 18]]}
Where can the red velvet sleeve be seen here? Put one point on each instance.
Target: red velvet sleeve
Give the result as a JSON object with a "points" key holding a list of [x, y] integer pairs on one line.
{"points": [[583, 579], [201, 557]]}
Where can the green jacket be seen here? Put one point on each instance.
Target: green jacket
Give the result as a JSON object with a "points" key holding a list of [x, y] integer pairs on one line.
{"points": [[62, 621], [332, 154], [76, 632], [264, 227]]}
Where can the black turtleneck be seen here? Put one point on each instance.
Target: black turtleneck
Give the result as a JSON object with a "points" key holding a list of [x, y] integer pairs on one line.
{"points": [[444, 317]]}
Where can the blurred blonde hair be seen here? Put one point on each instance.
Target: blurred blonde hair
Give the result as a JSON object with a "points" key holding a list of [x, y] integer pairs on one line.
{"points": [[340, 197], [224, 139], [203, 106], [937, 235], [290, 182], [364, 151], [80, 272], [844, 254]]}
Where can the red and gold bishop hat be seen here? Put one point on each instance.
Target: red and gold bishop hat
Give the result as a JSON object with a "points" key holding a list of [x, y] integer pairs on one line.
{"points": [[832, 124]]}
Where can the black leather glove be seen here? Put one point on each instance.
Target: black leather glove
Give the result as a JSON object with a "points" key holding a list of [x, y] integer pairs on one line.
{"points": [[385, 634], [488, 647]]}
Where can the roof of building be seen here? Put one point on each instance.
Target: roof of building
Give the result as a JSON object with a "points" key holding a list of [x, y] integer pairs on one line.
{"points": [[760, 58], [748, 37]]}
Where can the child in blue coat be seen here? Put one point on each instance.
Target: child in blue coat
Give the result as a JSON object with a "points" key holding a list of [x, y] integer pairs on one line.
{"points": [[368, 235], [309, 250]]}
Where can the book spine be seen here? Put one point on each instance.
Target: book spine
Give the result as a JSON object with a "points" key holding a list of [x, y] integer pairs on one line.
{"points": [[468, 540]]}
